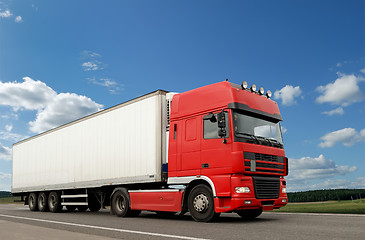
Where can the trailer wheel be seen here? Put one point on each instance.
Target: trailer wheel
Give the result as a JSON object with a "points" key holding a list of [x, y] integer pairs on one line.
{"points": [[42, 202], [250, 213], [54, 202], [82, 208], [120, 203], [32, 202], [201, 204]]}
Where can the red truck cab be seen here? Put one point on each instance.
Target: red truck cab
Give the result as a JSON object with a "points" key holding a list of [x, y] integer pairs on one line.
{"points": [[228, 138]]}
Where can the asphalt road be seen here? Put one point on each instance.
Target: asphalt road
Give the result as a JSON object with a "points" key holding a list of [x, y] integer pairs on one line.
{"points": [[17, 222]]}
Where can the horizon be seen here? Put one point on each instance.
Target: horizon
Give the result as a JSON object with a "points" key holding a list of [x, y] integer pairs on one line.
{"points": [[63, 60]]}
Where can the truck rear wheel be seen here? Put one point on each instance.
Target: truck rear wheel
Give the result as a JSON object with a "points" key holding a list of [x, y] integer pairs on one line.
{"points": [[120, 203], [54, 202], [249, 214], [42, 202], [32, 202], [201, 204]]}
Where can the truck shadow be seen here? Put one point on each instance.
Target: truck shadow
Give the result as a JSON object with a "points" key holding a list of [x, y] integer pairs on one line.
{"points": [[224, 218]]}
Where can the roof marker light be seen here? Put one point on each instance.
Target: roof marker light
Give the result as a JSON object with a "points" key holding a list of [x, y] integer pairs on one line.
{"points": [[261, 91], [244, 85], [253, 88], [268, 94]]}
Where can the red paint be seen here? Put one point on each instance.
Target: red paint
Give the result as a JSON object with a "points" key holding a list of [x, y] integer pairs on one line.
{"points": [[189, 152], [156, 201]]}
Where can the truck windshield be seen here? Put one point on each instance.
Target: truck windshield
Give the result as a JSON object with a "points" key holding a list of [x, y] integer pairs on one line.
{"points": [[256, 130]]}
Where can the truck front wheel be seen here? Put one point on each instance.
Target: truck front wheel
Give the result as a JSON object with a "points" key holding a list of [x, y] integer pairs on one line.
{"points": [[32, 202], [201, 204]]}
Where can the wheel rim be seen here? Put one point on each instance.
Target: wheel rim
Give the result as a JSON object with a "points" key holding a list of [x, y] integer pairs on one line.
{"points": [[32, 201], [120, 203], [52, 201], [41, 202], [201, 203]]}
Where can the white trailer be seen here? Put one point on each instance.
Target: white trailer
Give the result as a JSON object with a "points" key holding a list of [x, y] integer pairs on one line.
{"points": [[123, 144]]}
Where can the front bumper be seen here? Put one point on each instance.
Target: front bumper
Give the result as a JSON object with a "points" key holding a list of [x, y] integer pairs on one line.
{"points": [[241, 201]]}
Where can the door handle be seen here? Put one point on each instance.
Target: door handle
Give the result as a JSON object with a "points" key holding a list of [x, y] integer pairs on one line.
{"points": [[205, 165]]}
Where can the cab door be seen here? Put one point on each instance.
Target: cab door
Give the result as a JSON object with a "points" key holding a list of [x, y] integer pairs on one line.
{"points": [[215, 154], [190, 147]]}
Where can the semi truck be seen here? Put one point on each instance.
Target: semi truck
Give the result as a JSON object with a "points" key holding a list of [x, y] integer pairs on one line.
{"points": [[215, 149]]}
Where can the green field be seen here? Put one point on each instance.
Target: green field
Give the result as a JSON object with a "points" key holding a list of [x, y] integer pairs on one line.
{"points": [[348, 206], [8, 200]]}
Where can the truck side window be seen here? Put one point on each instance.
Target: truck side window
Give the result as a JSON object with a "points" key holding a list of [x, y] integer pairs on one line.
{"points": [[211, 128]]}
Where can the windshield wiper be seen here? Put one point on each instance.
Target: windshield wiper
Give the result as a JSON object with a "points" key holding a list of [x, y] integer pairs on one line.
{"points": [[250, 135]]}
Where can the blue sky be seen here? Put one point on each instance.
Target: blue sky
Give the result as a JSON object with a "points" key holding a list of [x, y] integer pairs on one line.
{"points": [[60, 60]]}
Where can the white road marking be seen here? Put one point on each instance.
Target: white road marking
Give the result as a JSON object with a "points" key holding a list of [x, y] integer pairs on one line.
{"points": [[106, 228], [319, 214]]}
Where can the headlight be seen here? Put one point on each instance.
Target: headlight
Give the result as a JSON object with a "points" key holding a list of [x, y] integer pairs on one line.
{"points": [[283, 190], [242, 189]]}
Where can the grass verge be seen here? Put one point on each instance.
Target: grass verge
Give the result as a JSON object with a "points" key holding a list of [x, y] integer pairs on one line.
{"points": [[10, 200], [349, 207]]}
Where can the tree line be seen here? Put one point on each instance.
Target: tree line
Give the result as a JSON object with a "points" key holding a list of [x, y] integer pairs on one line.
{"points": [[4, 194], [308, 196], [326, 195]]}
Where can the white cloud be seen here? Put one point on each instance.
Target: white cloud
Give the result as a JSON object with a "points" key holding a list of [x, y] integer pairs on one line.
{"points": [[307, 169], [18, 19], [5, 153], [362, 70], [5, 175], [10, 136], [89, 54], [10, 116], [52, 109], [5, 14], [64, 108], [339, 64], [358, 183], [92, 66], [113, 86], [346, 136], [337, 111], [288, 94], [344, 91], [9, 127], [29, 95]]}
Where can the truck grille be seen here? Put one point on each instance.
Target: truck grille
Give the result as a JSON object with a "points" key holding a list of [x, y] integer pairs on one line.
{"points": [[266, 188], [264, 163]]}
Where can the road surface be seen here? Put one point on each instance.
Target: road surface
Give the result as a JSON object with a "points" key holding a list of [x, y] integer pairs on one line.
{"points": [[17, 222]]}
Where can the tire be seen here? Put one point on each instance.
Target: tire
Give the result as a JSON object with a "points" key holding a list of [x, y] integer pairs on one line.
{"points": [[43, 202], [33, 202], [82, 208], [71, 208], [120, 204], [94, 204], [201, 204], [54, 202], [249, 214]]}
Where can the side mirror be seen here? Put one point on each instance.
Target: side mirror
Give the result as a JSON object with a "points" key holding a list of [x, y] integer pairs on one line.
{"points": [[221, 120]]}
